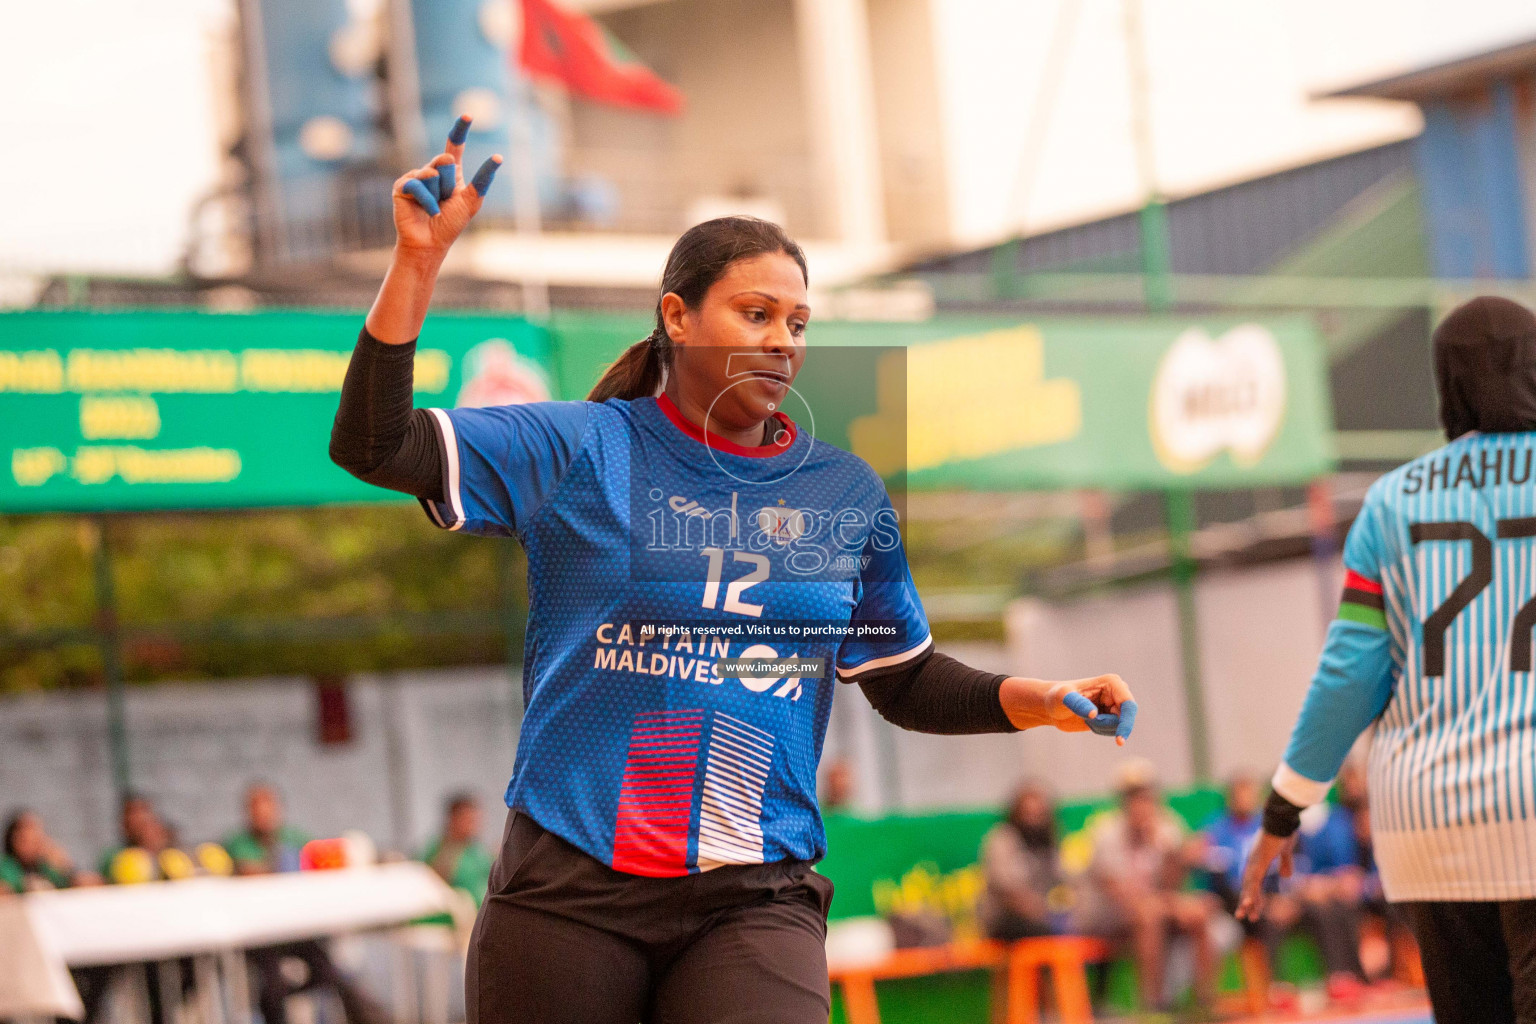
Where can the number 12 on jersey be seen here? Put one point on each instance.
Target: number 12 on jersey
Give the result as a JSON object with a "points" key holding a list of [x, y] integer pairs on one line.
{"points": [[734, 589]]}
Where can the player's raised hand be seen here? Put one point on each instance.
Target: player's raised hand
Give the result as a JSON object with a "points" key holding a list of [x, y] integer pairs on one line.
{"points": [[433, 204], [1100, 704]]}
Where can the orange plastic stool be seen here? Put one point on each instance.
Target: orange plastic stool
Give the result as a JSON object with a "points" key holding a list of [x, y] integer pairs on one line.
{"points": [[1067, 958], [859, 1000]]}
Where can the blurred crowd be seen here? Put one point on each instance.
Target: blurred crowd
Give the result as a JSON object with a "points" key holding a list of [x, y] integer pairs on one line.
{"points": [[149, 849], [1136, 875], [1164, 895]]}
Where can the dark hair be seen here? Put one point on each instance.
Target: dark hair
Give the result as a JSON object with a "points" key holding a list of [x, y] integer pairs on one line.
{"points": [[12, 826], [458, 800], [698, 259]]}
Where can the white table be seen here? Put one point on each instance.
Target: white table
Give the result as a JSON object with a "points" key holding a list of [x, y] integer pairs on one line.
{"points": [[43, 934]]}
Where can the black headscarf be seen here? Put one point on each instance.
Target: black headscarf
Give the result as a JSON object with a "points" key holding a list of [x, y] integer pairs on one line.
{"points": [[1485, 367]]}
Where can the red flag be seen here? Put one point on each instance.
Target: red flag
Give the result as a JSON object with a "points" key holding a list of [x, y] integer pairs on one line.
{"points": [[575, 50]]}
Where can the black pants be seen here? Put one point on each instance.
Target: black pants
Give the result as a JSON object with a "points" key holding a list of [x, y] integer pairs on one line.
{"points": [[1479, 960], [565, 938]]}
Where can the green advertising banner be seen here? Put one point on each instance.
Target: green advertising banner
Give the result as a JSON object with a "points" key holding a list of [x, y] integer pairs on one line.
{"points": [[1131, 404], [173, 410], [187, 410], [990, 404]]}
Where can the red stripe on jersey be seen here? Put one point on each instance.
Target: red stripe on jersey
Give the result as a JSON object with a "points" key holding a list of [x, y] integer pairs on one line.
{"points": [[650, 834], [1354, 581]]}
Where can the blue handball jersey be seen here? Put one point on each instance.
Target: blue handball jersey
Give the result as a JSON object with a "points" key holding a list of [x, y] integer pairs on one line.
{"points": [[654, 553], [1433, 645]]}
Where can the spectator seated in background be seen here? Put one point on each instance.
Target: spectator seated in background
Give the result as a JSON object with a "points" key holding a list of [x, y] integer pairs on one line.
{"points": [[146, 853], [1136, 891], [1335, 877], [32, 860], [837, 787], [458, 856], [268, 846], [1391, 936], [1228, 841], [1023, 897]]}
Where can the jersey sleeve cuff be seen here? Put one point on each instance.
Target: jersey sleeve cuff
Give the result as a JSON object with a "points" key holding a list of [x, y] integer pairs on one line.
{"points": [[448, 514], [1297, 788], [852, 673]]}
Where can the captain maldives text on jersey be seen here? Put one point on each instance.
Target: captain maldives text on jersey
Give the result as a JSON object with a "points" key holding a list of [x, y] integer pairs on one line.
{"points": [[696, 650]]}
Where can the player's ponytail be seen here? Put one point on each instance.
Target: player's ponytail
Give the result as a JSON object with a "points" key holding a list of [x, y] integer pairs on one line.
{"points": [[638, 372], [699, 258]]}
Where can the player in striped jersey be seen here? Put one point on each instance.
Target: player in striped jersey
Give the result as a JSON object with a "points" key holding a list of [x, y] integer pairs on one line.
{"points": [[1433, 645]]}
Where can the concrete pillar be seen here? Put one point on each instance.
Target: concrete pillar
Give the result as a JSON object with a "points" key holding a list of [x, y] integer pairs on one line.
{"points": [[840, 100]]}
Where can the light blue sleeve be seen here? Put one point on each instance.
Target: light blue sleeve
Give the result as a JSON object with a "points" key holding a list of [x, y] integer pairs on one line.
{"points": [[1354, 679], [501, 463], [888, 612]]}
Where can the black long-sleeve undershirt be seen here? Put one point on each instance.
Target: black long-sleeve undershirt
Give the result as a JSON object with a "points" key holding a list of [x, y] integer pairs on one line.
{"points": [[379, 438], [934, 693]]}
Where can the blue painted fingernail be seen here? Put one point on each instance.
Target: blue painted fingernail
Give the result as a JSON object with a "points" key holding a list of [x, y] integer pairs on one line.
{"points": [[447, 177], [487, 171], [1078, 704], [417, 190], [1127, 720], [459, 132], [1105, 723]]}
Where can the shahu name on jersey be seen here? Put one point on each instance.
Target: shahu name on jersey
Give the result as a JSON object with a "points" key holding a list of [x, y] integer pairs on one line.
{"points": [[1494, 467]]}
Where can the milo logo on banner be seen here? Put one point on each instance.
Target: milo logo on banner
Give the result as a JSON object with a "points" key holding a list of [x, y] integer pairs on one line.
{"points": [[1214, 395]]}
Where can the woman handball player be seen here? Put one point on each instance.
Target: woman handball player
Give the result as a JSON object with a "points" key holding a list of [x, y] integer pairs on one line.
{"points": [[657, 859]]}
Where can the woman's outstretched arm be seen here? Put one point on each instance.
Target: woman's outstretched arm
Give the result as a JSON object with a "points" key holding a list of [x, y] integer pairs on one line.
{"points": [[377, 436], [934, 693]]}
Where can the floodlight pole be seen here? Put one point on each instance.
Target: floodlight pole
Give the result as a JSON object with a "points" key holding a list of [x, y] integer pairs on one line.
{"points": [[1157, 283], [1180, 506], [109, 639]]}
